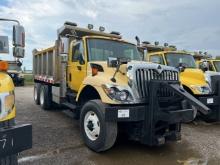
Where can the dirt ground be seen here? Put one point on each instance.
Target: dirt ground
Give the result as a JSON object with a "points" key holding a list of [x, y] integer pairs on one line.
{"points": [[57, 141]]}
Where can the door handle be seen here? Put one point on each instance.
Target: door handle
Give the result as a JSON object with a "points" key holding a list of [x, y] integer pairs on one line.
{"points": [[79, 67], [70, 77]]}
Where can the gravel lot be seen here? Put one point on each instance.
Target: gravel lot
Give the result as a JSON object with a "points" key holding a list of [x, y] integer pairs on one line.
{"points": [[57, 141]]}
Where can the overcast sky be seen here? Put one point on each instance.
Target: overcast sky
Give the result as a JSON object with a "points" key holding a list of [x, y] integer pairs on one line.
{"points": [[188, 24]]}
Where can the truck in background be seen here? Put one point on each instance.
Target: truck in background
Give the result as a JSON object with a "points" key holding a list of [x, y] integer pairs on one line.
{"points": [[192, 79], [104, 81], [15, 72], [206, 62], [13, 138]]}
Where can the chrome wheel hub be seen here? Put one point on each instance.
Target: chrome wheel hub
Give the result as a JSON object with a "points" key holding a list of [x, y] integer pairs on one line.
{"points": [[91, 125]]}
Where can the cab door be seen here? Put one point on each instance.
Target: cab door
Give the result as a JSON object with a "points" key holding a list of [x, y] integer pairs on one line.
{"points": [[76, 70]]}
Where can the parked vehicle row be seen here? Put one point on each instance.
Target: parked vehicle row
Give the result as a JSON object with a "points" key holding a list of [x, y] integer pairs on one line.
{"points": [[199, 83]]}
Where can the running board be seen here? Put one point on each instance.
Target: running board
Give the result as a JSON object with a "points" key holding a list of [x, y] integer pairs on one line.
{"points": [[69, 105]]}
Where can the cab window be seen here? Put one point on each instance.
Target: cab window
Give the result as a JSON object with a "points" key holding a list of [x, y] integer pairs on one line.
{"points": [[77, 52], [157, 59], [210, 66]]}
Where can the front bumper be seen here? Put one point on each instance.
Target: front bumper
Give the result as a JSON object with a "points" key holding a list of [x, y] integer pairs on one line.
{"points": [[15, 139], [138, 113], [213, 102], [151, 126]]}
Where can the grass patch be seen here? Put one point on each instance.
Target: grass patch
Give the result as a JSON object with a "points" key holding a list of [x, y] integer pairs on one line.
{"points": [[28, 79]]}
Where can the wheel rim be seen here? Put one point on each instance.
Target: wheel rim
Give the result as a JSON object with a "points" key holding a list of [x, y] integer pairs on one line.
{"points": [[35, 93], [41, 97], [92, 125]]}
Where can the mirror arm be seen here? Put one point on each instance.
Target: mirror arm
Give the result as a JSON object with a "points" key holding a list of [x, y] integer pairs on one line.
{"points": [[116, 71], [12, 20]]}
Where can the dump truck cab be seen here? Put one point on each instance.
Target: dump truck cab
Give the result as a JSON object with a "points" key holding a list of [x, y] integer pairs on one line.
{"points": [[213, 64], [13, 138], [105, 82], [205, 62], [15, 72], [193, 79]]}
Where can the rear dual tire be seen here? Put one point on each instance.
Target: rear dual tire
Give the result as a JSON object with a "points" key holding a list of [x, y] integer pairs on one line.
{"points": [[43, 96], [37, 93], [98, 134]]}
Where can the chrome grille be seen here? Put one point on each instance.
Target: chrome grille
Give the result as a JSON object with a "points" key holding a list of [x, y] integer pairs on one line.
{"points": [[143, 76]]}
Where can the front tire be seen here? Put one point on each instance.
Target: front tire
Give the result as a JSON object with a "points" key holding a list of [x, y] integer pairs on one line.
{"points": [[98, 134]]}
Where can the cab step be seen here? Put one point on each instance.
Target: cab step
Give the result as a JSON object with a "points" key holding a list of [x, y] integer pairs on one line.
{"points": [[69, 105]]}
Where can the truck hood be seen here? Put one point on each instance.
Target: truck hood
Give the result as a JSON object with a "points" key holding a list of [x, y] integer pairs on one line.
{"points": [[125, 71], [108, 72], [192, 77]]}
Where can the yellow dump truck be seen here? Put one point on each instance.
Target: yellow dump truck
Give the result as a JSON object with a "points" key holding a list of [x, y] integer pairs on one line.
{"points": [[13, 138], [103, 80], [192, 79]]}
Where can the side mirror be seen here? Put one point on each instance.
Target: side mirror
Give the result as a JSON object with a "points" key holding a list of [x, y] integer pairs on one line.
{"points": [[18, 36], [182, 68], [19, 63], [203, 66], [4, 47], [18, 52], [81, 60], [112, 62]]}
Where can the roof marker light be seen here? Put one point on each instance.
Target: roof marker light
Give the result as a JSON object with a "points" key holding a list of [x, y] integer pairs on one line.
{"points": [[166, 44], [146, 42], [90, 26], [156, 43], [115, 33], [70, 23], [101, 29]]}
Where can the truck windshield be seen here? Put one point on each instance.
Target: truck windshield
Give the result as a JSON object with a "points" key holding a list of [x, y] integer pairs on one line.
{"points": [[217, 65], [177, 59], [14, 67], [101, 49]]}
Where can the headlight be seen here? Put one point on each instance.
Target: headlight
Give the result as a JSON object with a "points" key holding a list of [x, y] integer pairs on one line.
{"points": [[201, 89], [118, 93], [7, 104]]}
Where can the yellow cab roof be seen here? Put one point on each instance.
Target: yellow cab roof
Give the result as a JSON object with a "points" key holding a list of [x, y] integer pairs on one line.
{"points": [[171, 51]]}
